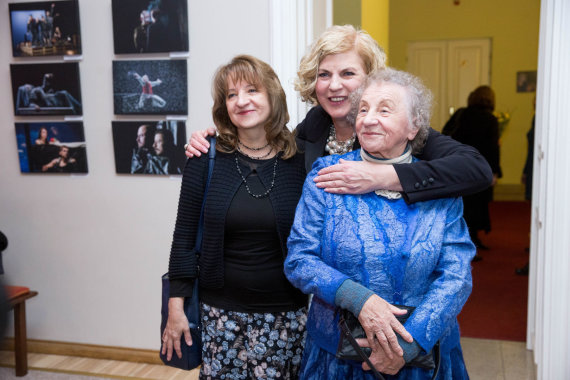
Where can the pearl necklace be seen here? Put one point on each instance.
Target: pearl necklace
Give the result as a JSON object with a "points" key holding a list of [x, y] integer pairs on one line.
{"points": [[266, 193], [334, 146]]}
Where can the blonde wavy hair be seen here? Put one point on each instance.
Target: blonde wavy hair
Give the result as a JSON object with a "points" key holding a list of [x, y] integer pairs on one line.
{"points": [[259, 74], [337, 39]]}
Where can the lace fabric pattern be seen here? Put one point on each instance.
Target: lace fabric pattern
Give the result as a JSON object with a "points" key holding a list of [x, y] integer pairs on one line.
{"points": [[416, 255]]}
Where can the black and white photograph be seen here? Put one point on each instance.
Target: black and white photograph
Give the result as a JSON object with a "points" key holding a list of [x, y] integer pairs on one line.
{"points": [[149, 147], [46, 89], [51, 147], [45, 28], [150, 87], [150, 26]]}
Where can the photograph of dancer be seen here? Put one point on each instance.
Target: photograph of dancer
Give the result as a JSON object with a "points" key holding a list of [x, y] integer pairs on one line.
{"points": [[46, 89], [45, 28], [150, 87]]}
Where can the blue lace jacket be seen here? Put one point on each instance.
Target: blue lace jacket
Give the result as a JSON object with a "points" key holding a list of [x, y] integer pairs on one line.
{"points": [[416, 255]]}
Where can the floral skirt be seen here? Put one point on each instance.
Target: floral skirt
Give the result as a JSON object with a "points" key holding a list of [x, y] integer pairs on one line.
{"points": [[238, 345]]}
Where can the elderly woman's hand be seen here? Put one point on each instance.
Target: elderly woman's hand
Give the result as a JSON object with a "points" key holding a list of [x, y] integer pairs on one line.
{"points": [[357, 177], [198, 143], [380, 325], [380, 360], [176, 325]]}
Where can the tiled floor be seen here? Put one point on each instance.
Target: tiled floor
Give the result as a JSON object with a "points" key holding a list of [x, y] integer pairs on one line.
{"points": [[498, 359], [485, 359]]}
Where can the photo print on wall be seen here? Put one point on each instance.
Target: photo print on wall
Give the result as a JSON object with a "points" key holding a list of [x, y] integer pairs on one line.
{"points": [[46, 89], [150, 26], [149, 147], [150, 87], [45, 28], [51, 147]]}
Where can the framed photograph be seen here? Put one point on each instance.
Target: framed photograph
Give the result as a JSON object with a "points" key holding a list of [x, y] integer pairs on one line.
{"points": [[149, 147], [150, 26], [57, 147], [526, 81], [46, 89], [150, 87], [45, 28]]}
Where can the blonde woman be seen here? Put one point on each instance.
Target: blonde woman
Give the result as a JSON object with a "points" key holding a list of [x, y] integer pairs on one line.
{"points": [[335, 65]]}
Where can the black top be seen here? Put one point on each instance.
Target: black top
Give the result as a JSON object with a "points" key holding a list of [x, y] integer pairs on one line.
{"points": [[224, 187], [448, 169], [254, 280]]}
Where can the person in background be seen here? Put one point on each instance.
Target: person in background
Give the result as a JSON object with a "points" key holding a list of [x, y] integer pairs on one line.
{"points": [[370, 253], [253, 319], [336, 65], [142, 151], [478, 127], [61, 164], [163, 161]]}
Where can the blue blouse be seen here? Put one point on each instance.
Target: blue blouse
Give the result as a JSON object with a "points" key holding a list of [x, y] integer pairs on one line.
{"points": [[416, 255]]}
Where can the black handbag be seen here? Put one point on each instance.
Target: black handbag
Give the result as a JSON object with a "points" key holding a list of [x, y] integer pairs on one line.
{"points": [[348, 348], [191, 355]]}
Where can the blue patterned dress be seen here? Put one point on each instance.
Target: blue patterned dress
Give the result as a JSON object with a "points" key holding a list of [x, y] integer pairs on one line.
{"points": [[416, 255]]}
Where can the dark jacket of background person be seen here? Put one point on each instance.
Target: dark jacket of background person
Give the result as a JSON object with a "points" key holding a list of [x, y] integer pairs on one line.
{"points": [[422, 180], [527, 170], [478, 127]]}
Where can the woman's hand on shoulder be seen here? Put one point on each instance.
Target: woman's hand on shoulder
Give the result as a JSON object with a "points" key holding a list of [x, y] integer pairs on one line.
{"points": [[176, 325], [378, 320], [198, 143], [357, 177]]}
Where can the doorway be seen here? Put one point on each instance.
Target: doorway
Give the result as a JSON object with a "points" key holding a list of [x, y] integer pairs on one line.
{"points": [[451, 69]]}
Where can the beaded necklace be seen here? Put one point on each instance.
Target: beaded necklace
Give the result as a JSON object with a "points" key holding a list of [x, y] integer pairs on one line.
{"points": [[255, 158], [334, 146], [257, 196], [245, 146]]}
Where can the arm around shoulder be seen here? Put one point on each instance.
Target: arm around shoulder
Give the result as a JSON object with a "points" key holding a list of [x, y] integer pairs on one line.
{"points": [[447, 169]]}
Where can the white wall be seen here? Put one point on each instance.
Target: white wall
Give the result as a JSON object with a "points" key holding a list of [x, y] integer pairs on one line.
{"points": [[94, 246]]}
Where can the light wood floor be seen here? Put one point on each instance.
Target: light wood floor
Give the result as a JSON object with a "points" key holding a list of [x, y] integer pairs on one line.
{"points": [[485, 359]]}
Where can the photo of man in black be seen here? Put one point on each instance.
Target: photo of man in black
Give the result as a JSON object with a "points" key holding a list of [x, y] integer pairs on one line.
{"points": [[150, 26]]}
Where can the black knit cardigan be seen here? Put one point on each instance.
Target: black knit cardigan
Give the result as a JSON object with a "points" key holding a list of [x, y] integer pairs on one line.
{"points": [[184, 263]]}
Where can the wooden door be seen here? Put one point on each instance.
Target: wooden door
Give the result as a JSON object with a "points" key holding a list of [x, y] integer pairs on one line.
{"points": [[451, 69]]}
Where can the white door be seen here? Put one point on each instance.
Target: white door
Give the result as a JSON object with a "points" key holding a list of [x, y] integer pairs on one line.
{"points": [[451, 69]]}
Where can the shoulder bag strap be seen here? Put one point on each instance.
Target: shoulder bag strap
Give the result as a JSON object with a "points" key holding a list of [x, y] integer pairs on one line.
{"points": [[357, 349], [211, 157]]}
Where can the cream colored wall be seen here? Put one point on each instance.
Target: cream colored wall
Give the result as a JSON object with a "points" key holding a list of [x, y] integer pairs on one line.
{"points": [[512, 25], [95, 245]]}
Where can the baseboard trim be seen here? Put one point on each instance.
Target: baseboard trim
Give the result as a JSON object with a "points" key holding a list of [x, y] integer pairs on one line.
{"points": [[88, 351], [508, 192]]}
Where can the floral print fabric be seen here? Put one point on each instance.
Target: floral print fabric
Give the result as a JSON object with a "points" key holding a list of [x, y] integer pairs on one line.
{"points": [[238, 345]]}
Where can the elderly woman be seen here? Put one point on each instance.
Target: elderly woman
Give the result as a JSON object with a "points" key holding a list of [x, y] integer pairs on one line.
{"points": [[336, 65], [366, 253], [253, 319]]}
